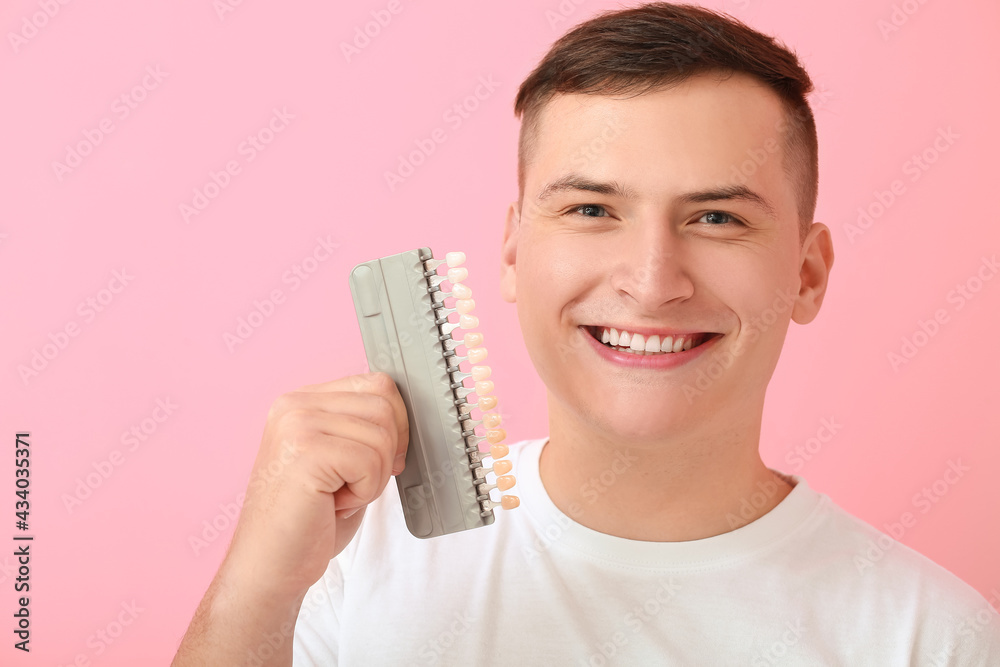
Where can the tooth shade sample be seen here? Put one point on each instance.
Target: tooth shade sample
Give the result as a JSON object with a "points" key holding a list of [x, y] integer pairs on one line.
{"points": [[505, 482], [468, 321], [496, 435], [476, 355], [465, 305], [491, 420], [483, 388], [454, 259], [460, 291], [481, 372], [499, 451], [509, 502], [487, 403], [473, 339], [457, 275], [502, 467]]}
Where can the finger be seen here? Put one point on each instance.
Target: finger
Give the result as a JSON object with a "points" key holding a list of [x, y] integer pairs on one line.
{"points": [[349, 470], [325, 429], [375, 408], [368, 383], [379, 384]]}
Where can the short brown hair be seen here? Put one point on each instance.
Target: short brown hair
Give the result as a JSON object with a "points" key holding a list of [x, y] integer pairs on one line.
{"points": [[658, 45]]}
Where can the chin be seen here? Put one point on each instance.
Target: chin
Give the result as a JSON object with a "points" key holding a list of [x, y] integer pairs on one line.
{"points": [[637, 421]]}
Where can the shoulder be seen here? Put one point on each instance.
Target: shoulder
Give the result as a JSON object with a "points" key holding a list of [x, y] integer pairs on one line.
{"points": [[885, 577]]}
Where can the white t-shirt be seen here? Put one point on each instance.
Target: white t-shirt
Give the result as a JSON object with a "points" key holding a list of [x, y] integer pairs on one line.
{"points": [[805, 584]]}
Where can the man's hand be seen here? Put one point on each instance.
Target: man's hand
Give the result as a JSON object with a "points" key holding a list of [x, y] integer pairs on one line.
{"points": [[328, 450]]}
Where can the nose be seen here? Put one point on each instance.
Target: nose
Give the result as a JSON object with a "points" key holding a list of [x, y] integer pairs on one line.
{"points": [[652, 267]]}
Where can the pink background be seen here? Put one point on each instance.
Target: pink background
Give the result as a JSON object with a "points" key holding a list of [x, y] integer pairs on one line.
{"points": [[883, 98]]}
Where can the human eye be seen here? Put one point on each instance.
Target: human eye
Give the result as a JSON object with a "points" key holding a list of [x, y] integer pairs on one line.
{"points": [[722, 219], [590, 211]]}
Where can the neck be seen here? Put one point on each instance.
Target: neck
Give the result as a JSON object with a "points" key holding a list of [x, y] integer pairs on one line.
{"points": [[659, 489]]}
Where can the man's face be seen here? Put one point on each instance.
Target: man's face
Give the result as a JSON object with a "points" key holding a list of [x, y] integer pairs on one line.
{"points": [[616, 231]]}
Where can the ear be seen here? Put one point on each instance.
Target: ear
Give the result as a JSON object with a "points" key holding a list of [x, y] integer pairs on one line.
{"points": [[508, 255], [814, 273]]}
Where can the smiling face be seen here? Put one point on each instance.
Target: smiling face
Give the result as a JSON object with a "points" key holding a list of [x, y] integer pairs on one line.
{"points": [[641, 214]]}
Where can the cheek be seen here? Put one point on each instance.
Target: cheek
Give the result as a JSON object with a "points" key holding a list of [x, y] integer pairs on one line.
{"points": [[762, 304], [561, 260], [552, 272]]}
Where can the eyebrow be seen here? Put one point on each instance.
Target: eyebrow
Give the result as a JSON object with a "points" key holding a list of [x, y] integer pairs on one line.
{"points": [[574, 182]]}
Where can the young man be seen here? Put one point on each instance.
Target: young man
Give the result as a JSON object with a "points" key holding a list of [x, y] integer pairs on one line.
{"points": [[668, 179]]}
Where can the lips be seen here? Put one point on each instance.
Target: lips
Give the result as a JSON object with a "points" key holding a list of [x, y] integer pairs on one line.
{"points": [[648, 342], [628, 358]]}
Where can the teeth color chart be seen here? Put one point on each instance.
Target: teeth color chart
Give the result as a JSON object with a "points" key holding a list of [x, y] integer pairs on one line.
{"points": [[185, 186]]}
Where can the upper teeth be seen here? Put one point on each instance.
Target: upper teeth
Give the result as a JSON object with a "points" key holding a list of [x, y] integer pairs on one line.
{"points": [[653, 343]]}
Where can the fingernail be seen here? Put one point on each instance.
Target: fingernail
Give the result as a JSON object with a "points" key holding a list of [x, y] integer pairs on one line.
{"points": [[354, 511], [399, 464]]}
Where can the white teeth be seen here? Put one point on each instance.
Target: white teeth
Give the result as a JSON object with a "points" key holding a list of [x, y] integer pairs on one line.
{"points": [[640, 344]]}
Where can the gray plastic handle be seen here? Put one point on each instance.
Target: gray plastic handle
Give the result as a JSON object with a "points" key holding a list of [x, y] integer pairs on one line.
{"points": [[397, 319]]}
